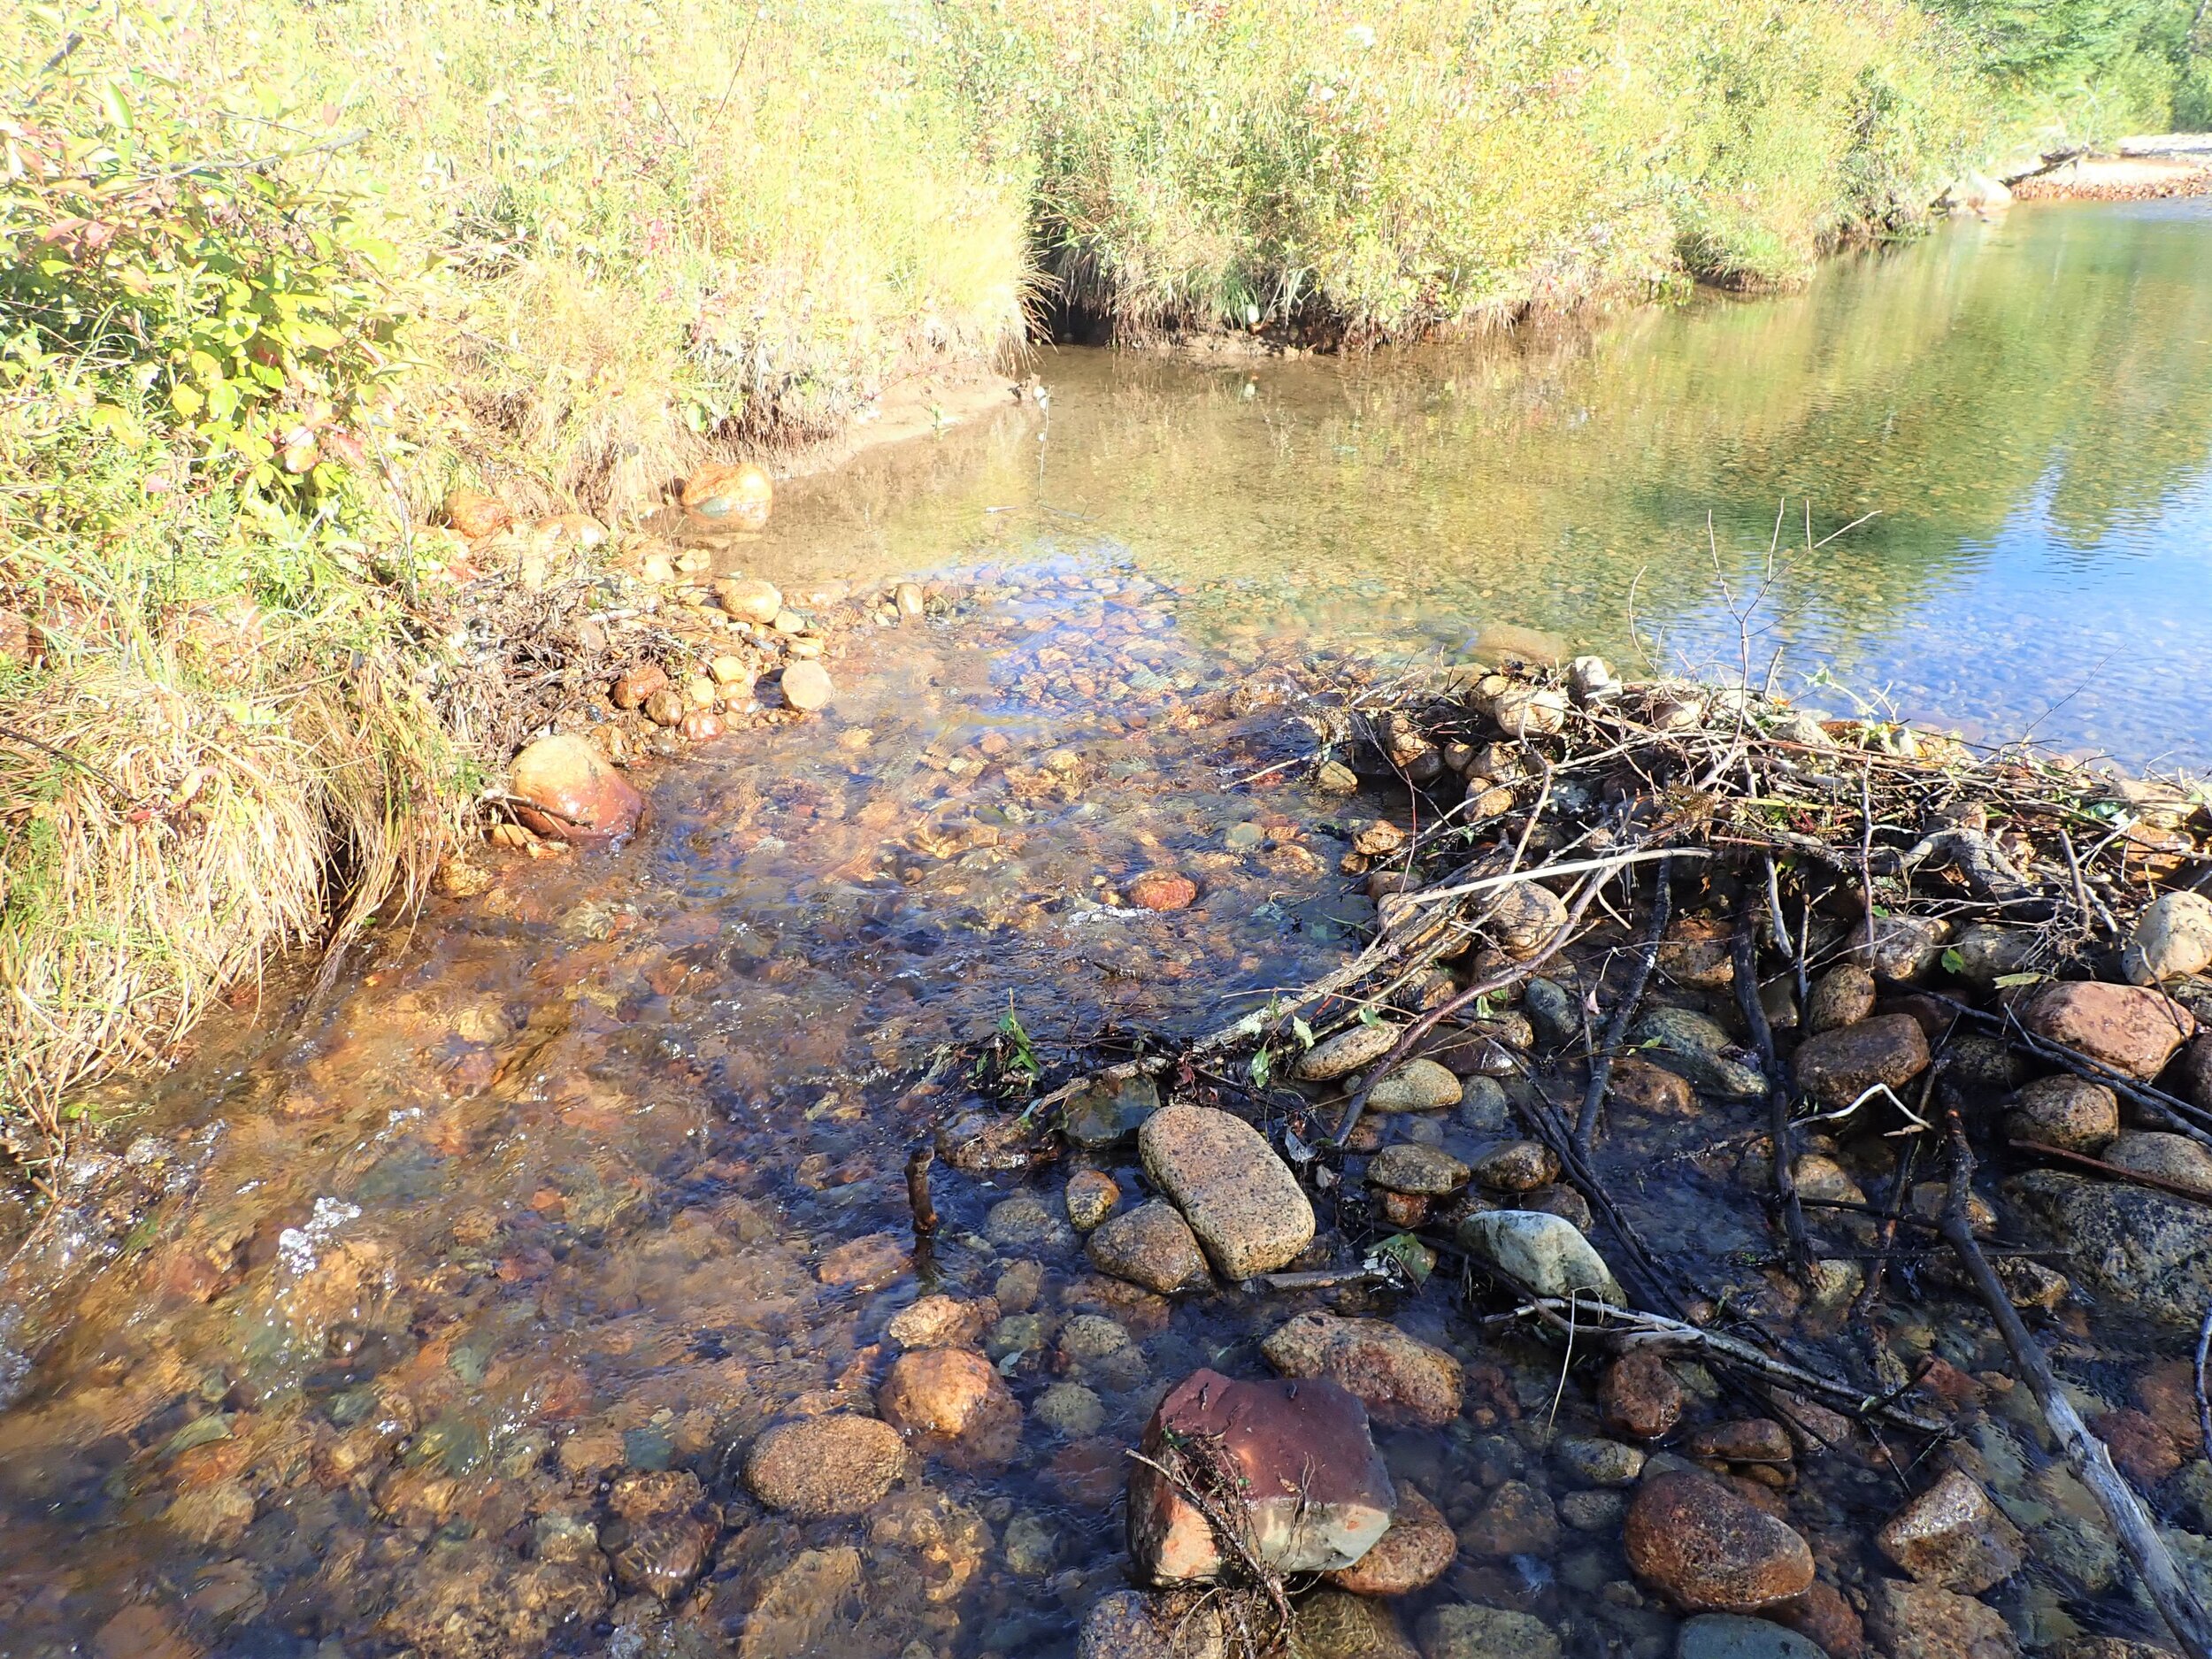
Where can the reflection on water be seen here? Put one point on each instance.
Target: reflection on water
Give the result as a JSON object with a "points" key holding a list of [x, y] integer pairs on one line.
{"points": [[2022, 406]]}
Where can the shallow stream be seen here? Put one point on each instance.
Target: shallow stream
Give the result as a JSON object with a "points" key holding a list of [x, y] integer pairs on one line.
{"points": [[337, 1347]]}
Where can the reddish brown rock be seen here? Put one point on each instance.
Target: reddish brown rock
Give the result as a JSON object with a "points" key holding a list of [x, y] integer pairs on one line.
{"points": [[2131, 1028], [1639, 1397], [566, 792], [1836, 1067], [2166, 1393], [1651, 1089], [1953, 1536], [2145, 1452], [1924, 1621], [631, 691], [1701, 1542], [1416, 1552], [476, 515], [1315, 1492], [739, 493], [1747, 1441], [1404, 1382], [1823, 1618], [698, 725], [1162, 890], [939, 1391]]}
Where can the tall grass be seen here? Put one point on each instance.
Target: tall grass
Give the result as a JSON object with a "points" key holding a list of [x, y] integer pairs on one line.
{"points": [[1409, 163]]}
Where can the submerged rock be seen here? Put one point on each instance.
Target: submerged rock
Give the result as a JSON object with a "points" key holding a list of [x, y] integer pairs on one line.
{"points": [[1106, 1111], [1699, 1048], [569, 794], [1151, 1246], [946, 1391], [1640, 1395], [1416, 1551], [1953, 1536], [1466, 1630], [1242, 1201], [1924, 1621], [1129, 1626], [1709, 1549], [739, 493], [807, 687], [1295, 1456], [1400, 1379], [1336, 1625], [1732, 1636], [2140, 1248], [818, 1467]]}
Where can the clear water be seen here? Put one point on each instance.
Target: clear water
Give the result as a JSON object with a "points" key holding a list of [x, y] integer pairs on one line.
{"points": [[2019, 412], [350, 1323]]}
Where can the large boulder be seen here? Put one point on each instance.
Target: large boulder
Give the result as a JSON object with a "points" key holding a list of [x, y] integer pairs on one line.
{"points": [[1836, 1067], [1403, 1381], [2134, 1029], [739, 493], [1242, 1201], [1710, 1549], [563, 790], [2143, 1249], [1296, 1458]]}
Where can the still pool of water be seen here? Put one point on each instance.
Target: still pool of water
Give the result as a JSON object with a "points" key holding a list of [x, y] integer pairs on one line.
{"points": [[433, 1314], [2020, 412]]}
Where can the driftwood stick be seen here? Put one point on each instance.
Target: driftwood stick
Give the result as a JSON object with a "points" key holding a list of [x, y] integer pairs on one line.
{"points": [[2204, 1349], [1631, 1329], [2084, 1453], [1746, 945], [1624, 1011], [918, 1195]]}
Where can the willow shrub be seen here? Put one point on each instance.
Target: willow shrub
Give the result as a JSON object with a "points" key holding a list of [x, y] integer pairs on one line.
{"points": [[1406, 163]]}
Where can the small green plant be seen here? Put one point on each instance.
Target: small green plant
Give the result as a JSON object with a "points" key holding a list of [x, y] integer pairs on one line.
{"points": [[178, 264]]}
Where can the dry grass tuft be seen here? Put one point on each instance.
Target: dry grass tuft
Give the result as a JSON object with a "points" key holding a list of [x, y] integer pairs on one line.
{"points": [[162, 836]]}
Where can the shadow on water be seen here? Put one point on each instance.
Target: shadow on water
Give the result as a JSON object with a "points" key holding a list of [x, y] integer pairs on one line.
{"points": [[436, 1321]]}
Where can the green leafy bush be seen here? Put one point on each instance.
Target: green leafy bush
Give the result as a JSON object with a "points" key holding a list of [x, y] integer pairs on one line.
{"points": [[203, 288]]}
